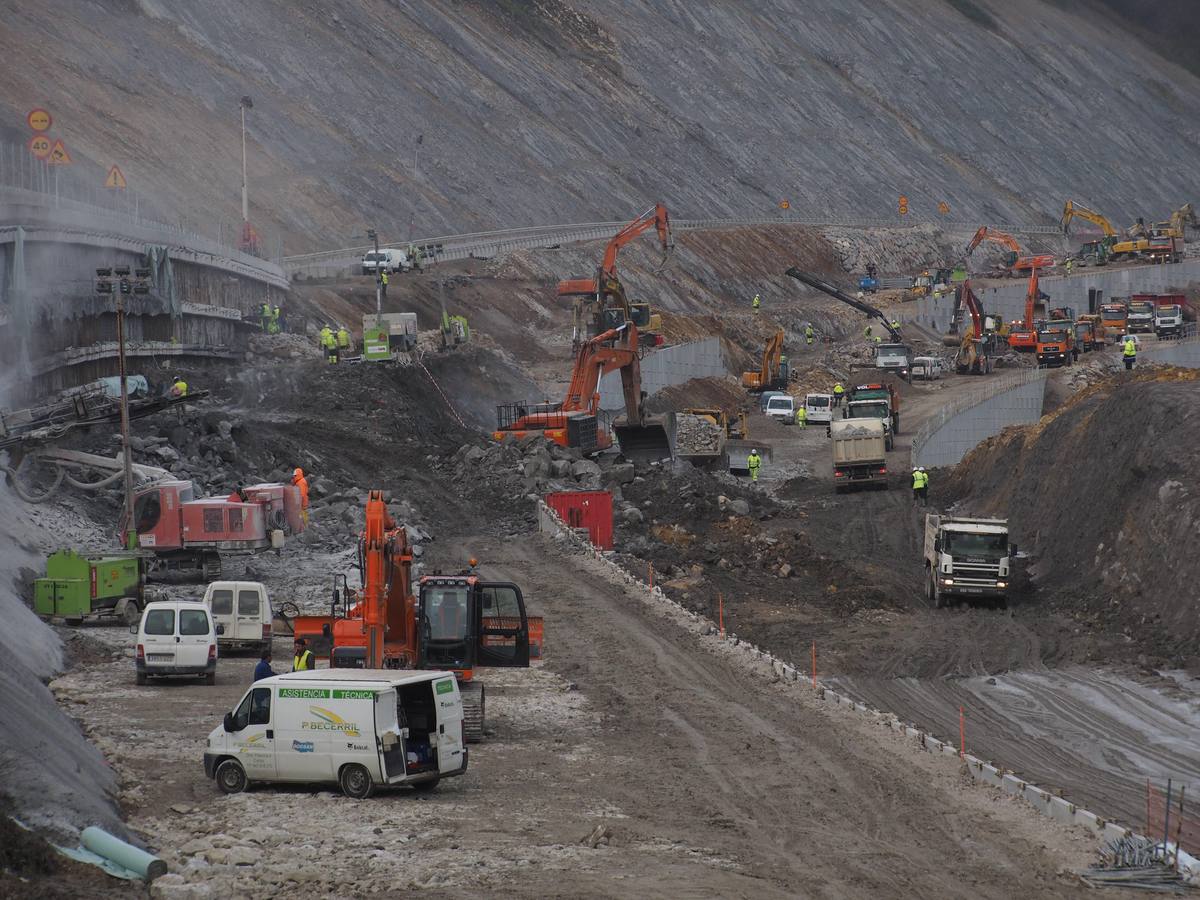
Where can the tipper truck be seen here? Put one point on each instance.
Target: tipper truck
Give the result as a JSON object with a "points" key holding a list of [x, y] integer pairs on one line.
{"points": [[859, 453], [967, 559]]}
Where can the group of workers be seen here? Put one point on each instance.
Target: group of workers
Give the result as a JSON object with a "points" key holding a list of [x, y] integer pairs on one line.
{"points": [[302, 661], [920, 485], [334, 344], [271, 319]]}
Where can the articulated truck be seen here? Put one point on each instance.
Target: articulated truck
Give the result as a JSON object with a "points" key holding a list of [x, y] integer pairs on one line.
{"points": [[967, 559]]}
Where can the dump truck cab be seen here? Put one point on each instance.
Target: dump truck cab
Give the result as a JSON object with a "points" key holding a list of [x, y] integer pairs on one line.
{"points": [[1055, 347], [967, 558]]}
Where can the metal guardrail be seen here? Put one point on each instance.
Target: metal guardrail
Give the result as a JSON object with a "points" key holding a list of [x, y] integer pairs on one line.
{"points": [[490, 243], [985, 392]]}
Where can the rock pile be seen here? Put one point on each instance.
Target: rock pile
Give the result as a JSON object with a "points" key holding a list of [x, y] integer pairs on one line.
{"points": [[697, 435]]}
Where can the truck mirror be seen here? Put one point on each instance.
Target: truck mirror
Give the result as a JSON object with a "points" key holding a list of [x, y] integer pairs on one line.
{"points": [[228, 724]]}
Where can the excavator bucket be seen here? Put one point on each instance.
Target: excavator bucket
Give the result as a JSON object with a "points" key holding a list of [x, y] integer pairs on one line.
{"points": [[644, 443]]}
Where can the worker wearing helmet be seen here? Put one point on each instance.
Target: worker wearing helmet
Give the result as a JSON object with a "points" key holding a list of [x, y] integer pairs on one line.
{"points": [[179, 387], [808, 334], [801, 416], [343, 339], [301, 482], [756, 302], [753, 462], [920, 485], [839, 393]]}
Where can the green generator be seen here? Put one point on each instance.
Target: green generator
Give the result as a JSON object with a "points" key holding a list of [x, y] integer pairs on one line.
{"points": [[78, 585]]}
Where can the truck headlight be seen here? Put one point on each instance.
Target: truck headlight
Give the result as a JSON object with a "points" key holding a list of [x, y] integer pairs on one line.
{"points": [[947, 581], [1001, 584]]}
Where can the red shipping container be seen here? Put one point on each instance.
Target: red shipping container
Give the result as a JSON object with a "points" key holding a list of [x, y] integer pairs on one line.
{"points": [[586, 509]]}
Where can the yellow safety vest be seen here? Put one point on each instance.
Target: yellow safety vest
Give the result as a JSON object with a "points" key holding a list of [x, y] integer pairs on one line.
{"points": [[838, 390], [1130, 349], [302, 662], [343, 338], [179, 388], [384, 278], [801, 414], [753, 461]]}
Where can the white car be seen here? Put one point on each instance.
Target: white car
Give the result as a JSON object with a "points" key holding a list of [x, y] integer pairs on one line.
{"points": [[782, 408], [929, 368], [176, 637], [241, 610], [357, 728], [818, 407]]}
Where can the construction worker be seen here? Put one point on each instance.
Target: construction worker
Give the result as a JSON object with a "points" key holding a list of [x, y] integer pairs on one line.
{"points": [[273, 324], [756, 302], [263, 669], [301, 482], [801, 416], [383, 283], [920, 485], [753, 462], [808, 335], [1129, 352], [839, 393], [343, 340], [264, 316], [896, 324], [303, 660], [179, 386], [867, 332], [1070, 265], [329, 344]]}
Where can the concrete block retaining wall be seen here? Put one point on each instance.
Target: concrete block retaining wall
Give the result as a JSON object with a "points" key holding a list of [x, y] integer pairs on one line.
{"points": [[1043, 801], [666, 367]]}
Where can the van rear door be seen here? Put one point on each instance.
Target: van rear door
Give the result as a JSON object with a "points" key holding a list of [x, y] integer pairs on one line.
{"points": [[448, 703], [502, 626], [220, 601], [158, 636], [249, 612], [195, 636], [390, 739]]}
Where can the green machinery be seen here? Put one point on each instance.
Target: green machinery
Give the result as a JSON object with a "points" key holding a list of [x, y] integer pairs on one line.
{"points": [[78, 585], [455, 330]]}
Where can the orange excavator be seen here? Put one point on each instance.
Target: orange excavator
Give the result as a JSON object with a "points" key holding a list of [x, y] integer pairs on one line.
{"points": [[575, 422], [1023, 337], [600, 302], [1013, 260], [976, 346], [453, 623]]}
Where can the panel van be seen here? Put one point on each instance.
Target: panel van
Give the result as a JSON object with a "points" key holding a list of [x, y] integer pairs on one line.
{"points": [[175, 637], [242, 612]]}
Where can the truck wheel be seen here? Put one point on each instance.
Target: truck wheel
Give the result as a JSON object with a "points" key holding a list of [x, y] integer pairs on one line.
{"points": [[129, 611], [425, 787], [139, 678], [231, 777], [356, 782], [933, 592], [928, 589]]}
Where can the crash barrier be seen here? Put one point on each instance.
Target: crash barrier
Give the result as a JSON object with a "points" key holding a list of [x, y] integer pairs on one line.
{"points": [[1184, 352], [666, 367], [1045, 802], [485, 244], [954, 430]]}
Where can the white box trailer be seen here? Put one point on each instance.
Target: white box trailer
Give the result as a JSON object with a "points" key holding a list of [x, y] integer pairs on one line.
{"points": [[358, 728]]}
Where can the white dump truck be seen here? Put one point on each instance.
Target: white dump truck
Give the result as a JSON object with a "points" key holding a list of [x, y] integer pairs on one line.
{"points": [[859, 453], [967, 559]]}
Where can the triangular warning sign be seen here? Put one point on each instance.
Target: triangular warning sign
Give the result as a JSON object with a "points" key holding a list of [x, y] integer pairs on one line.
{"points": [[115, 179], [59, 155]]}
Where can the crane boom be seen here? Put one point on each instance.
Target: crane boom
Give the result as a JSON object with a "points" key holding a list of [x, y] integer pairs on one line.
{"points": [[865, 308]]}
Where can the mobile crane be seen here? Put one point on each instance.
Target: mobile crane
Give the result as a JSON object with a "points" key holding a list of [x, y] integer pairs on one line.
{"points": [[600, 302], [575, 421], [453, 622], [865, 308]]}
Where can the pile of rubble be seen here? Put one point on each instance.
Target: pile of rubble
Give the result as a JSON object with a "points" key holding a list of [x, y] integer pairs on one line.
{"points": [[697, 435], [281, 346]]}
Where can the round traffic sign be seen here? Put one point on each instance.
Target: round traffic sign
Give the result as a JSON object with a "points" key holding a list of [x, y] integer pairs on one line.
{"points": [[40, 146], [785, 204], [39, 119]]}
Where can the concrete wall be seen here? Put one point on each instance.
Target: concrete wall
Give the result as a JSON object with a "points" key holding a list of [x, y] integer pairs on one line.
{"points": [[1175, 353], [1013, 400], [666, 367]]}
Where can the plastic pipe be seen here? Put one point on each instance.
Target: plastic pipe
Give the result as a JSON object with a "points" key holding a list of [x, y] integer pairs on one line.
{"points": [[113, 848]]}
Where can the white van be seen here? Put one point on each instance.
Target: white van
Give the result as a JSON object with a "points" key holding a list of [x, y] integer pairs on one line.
{"points": [[242, 612], [783, 408], [818, 407], [927, 367], [358, 728], [393, 260], [176, 637]]}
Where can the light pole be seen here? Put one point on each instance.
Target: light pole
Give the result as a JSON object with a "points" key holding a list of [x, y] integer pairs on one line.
{"points": [[412, 213], [373, 235], [121, 287], [246, 104]]}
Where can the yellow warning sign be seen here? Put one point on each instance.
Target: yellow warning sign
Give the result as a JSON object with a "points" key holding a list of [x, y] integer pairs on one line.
{"points": [[40, 146], [59, 155], [115, 179], [785, 204], [39, 119], [944, 207], [903, 205]]}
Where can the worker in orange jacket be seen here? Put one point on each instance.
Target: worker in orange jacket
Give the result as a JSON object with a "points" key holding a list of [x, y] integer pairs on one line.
{"points": [[301, 482]]}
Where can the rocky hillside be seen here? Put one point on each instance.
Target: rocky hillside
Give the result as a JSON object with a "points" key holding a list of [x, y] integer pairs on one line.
{"points": [[491, 113]]}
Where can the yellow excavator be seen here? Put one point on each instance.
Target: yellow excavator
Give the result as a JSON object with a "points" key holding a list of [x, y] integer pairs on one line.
{"points": [[772, 375], [1176, 227], [1113, 246]]}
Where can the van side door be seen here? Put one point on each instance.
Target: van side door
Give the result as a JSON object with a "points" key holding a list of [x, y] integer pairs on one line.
{"points": [[448, 704], [502, 625]]}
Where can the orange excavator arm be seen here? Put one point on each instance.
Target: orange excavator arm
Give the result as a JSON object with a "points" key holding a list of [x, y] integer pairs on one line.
{"points": [[655, 217], [1031, 297], [997, 237], [596, 358]]}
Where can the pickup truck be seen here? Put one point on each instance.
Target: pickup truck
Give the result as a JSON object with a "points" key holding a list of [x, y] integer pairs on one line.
{"points": [[859, 454], [967, 559]]}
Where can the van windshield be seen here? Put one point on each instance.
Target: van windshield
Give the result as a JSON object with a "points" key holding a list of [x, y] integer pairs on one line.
{"points": [[193, 621], [160, 621], [222, 603]]}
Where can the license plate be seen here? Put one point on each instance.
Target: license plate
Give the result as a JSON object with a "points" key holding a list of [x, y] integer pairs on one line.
{"points": [[160, 657]]}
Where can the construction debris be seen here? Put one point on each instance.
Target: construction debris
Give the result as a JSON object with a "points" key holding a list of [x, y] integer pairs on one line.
{"points": [[1134, 862]]}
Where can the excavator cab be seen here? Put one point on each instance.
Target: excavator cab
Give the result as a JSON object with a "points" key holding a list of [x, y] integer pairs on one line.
{"points": [[464, 623]]}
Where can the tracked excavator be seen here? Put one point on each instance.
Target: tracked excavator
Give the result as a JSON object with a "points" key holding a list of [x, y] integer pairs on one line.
{"points": [[1013, 260], [1023, 336], [1181, 220], [772, 374], [977, 344], [600, 302], [576, 421], [1138, 242], [865, 308], [457, 623]]}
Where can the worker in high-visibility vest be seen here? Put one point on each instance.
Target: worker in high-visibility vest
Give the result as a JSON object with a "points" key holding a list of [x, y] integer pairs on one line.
{"points": [[756, 302], [808, 335], [343, 338], [328, 344], [801, 416], [383, 283], [753, 463], [1129, 352], [264, 316], [839, 393], [179, 387]]}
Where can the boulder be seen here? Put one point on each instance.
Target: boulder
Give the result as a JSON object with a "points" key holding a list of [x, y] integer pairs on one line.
{"points": [[631, 515], [739, 507], [623, 473], [561, 468], [585, 467]]}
